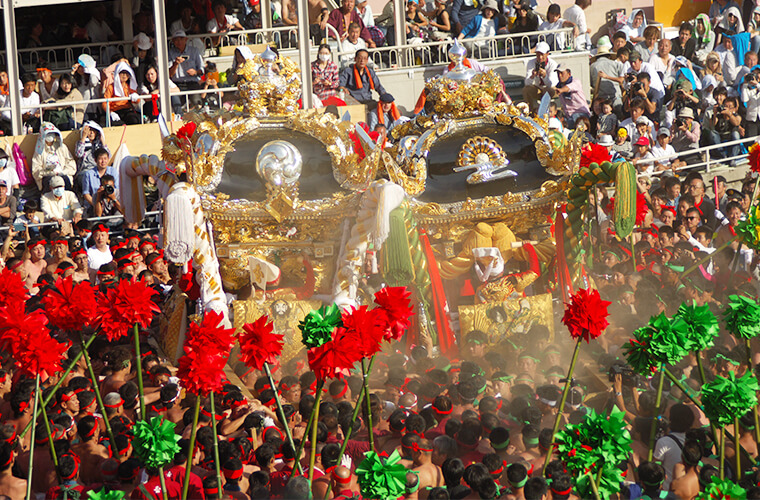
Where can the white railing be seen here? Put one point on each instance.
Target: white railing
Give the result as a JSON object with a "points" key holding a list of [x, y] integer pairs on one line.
{"points": [[61, 57], [708, 156], [483, 49]]}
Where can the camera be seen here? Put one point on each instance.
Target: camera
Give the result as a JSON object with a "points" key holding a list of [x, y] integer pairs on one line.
{"points": [[629, 376], [108, 189], [540, 65], [630, 77], [678, 122], [636, 87], [720, 108]]}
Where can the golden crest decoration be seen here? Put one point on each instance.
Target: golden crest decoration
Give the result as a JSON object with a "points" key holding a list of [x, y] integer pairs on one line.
{"points": [[510, 319]]}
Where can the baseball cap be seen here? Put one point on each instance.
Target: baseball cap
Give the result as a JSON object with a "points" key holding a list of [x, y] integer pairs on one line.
{"points": [[542, 47], [179, 34], [57, 181], [643, 141], [663, 131]]}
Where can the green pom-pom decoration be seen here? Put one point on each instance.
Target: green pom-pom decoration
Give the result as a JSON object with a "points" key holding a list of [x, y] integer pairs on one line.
{"points": [[600, 440], [381, 478], [608, 486], [742, 316], [155, 442], [637, 352], [661, 341], [102, 494], [749, 229], [722, 489], [724, 398], [702, 326], [317, 327]]}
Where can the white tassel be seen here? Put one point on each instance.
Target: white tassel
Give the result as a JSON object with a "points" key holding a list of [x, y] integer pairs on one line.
{"points": [[178, 224]]}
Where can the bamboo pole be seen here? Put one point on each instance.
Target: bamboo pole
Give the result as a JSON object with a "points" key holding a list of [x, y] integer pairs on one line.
{"points": [[313, 449], [737, 455], [722, 464], [593, 486], [754, 408], [191, 451], [657, 404], [112, 441], [138, 359], [565, 392], [47, 427], [57, 386], [216, 446], [31, 448], [353, 419], [281, 413], [370, 432]]}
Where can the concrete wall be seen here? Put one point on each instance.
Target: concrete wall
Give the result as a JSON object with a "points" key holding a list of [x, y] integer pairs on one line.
{"points": [[141, 139]]}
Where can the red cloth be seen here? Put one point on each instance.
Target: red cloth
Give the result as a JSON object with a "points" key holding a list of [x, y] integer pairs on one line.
{"points": [[195, 490], [153, 487], [446, 339], [333, 101]]}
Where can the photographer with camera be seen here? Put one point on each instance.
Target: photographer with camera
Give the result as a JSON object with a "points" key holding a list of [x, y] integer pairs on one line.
{"points": [[683, 97], [540, 76], [750, 92], [92, 179], [107, 200], [640, 86], [722, 123]]}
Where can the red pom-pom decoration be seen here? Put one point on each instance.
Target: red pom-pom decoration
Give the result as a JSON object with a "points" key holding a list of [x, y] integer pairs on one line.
{"points": [[335, 357], [211, 333], [202, 371], [36, 352], [259, 344], [12, 288], [70, 306], [125, 305], [594, 153], [365, 328], [396, 303], [586, 314]]}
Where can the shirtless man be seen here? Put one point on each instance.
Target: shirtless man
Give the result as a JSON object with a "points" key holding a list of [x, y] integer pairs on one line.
{"points": [[686, 482], [429, 473], [59, 250], [121, 361], [89, 450], [35, 263], [21, 405], [10, 486], [517, 476], [81, 271]]}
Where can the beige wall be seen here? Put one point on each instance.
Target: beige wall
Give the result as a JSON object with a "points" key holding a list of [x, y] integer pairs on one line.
{"points": [[141, 139]]}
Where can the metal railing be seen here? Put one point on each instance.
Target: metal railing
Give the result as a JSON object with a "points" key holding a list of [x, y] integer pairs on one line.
{"points": [[709, 157], [61, 57], [483, 49], [91, 219]]}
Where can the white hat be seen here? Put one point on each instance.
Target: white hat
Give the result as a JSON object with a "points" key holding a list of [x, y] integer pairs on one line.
{"points": [[542, 47], [180, 33], [605, 140], [262, 273], [143, 41]]}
